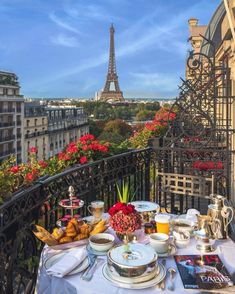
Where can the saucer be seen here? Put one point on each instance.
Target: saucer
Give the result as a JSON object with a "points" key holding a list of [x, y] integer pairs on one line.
{"points": [[171, 251], [95, 252], [142, 285]]}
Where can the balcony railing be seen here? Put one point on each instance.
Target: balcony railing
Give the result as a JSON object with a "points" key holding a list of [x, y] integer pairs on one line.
{"points": [[7, 138], [36, 134], [20, 251], [6, 124], [8, 110], [6, 153]]}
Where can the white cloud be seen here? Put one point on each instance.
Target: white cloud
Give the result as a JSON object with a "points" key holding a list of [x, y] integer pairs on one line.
{"points": [[61, 23], [64, 40]]}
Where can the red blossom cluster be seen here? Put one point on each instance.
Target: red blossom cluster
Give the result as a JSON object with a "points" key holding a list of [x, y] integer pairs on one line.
{"points": [[207, 165], [124, 218], [86, 149], [155, 128], [119, 206]]}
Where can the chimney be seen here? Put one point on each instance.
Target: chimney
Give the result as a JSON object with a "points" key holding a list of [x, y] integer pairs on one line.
{"points": [[193, 22]]}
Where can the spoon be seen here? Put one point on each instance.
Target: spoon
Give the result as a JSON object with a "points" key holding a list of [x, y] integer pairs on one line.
{"points": [[171, 271], [162, 285]]}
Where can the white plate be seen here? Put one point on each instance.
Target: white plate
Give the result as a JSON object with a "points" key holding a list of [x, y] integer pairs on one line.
{"points": [[95, 252], [50, 261], [156, 280], [170, 252], [133, 280], [145, 206]]}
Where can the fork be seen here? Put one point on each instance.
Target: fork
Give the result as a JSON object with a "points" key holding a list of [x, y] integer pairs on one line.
{"points": [[172, 271]]}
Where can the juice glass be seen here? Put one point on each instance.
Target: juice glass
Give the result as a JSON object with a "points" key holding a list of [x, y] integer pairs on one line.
{"points": [[163, 223]]}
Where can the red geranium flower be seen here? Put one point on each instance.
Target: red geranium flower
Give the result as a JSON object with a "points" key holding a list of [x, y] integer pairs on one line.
{"points": [[43, 163], [29, 177], [15, 169], [83, 160], [33, 149]]}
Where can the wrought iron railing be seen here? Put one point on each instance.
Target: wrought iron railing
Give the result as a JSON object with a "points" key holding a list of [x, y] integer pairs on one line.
{"points": [[20, 251]]}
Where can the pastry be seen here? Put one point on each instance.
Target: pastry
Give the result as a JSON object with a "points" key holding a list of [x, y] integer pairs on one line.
{"points": [[98, 228], [80, 237], [43, 235], [71, 230], [85, 229], [76, 224], [58, 233], [65, 239]]}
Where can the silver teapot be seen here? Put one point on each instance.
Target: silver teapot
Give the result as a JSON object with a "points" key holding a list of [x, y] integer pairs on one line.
{"points": [[219, 211]]}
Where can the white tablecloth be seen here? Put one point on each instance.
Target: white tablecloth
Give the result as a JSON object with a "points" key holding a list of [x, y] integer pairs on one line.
{"points": [[99, 285]]}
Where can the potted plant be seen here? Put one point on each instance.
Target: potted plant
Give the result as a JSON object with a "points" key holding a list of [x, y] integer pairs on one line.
{"points": [[124, 219]]}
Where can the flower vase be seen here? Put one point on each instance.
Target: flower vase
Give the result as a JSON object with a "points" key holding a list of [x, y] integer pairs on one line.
{"points": [[128, 235]]}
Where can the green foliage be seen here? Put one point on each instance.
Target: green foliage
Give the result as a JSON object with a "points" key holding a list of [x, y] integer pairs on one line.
{"points": [[96, 127], [144, 115], [111, 137], [119, 127]]}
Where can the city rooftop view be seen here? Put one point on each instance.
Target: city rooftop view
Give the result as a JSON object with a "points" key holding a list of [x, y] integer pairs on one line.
{"points": [[117, 146]]}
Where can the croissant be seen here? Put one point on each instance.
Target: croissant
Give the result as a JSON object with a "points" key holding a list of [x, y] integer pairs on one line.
{"points": [[43, 235], [85, 229], [71, 230], [58, 233], [99, 228], [80, 237], [65, 239], [76, 224]]}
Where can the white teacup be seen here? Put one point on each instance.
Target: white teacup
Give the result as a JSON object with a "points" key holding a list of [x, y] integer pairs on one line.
{"points": [[159, 242]]}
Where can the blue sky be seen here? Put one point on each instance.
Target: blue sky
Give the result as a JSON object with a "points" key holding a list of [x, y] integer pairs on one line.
{"points": [[59, 48]]}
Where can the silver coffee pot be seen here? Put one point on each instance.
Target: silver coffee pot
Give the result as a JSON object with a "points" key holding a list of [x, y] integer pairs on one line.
{"points": [[219, 211]]}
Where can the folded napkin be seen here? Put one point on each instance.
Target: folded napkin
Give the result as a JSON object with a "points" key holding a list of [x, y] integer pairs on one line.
{"points": [[67, 263]]}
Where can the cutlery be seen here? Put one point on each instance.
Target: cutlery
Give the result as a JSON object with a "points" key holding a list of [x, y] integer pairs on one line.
{"points": [[162, 285], [171, 271], [90, 272], [92, 259]]}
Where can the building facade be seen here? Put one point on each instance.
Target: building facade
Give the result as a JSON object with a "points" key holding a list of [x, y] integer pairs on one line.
{"points": [[11, 114], [221, 33], [65, 125], [35, 131]]}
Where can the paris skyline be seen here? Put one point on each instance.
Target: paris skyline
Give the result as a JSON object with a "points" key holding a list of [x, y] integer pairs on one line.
{"points": [[60, 48]]}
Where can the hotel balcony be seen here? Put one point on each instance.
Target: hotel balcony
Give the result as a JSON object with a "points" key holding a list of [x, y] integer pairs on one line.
{"points": [[7, 124], [4, 139], [8, 110]]}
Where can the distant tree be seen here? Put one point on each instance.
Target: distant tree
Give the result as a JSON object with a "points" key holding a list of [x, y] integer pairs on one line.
{"points": [[154, 106], [111, 137], [119, 127], [96, 127], [144, 115]]}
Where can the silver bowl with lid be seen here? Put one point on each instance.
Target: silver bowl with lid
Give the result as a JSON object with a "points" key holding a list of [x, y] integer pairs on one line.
{"points": [[133, 260]]}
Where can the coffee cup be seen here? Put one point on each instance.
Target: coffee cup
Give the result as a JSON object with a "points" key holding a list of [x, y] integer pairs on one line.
{"points": [[96, 208], [159, 242]]}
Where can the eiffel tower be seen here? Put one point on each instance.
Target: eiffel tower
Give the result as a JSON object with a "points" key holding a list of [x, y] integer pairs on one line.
{"points": [[111, 91]]}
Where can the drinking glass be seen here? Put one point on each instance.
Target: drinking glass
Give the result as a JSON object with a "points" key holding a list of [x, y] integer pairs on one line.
{"points": [[163, 223], [96, 208]]}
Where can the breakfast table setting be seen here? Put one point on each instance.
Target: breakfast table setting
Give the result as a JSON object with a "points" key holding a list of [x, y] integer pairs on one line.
{"points": [[161, 253]]}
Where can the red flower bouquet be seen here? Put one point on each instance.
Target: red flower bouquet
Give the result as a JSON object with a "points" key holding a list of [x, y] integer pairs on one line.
{"points": [[124, 218]]}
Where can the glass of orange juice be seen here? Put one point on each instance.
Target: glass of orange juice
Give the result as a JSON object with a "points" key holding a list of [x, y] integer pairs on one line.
{"points": [[163, 223]]}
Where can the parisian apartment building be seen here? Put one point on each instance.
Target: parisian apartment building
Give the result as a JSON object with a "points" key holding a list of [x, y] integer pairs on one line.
{"points": [[51, 128], [65, 125], [11, 117]]}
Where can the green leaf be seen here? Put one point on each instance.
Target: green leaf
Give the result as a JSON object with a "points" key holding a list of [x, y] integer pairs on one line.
{"points": [[119, 193]]}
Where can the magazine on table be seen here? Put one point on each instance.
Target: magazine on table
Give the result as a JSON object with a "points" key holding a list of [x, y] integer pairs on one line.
{"points": [[203, 272]]}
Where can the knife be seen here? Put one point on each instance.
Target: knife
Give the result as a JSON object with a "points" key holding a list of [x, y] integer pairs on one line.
{"points": [[92, 259]]}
